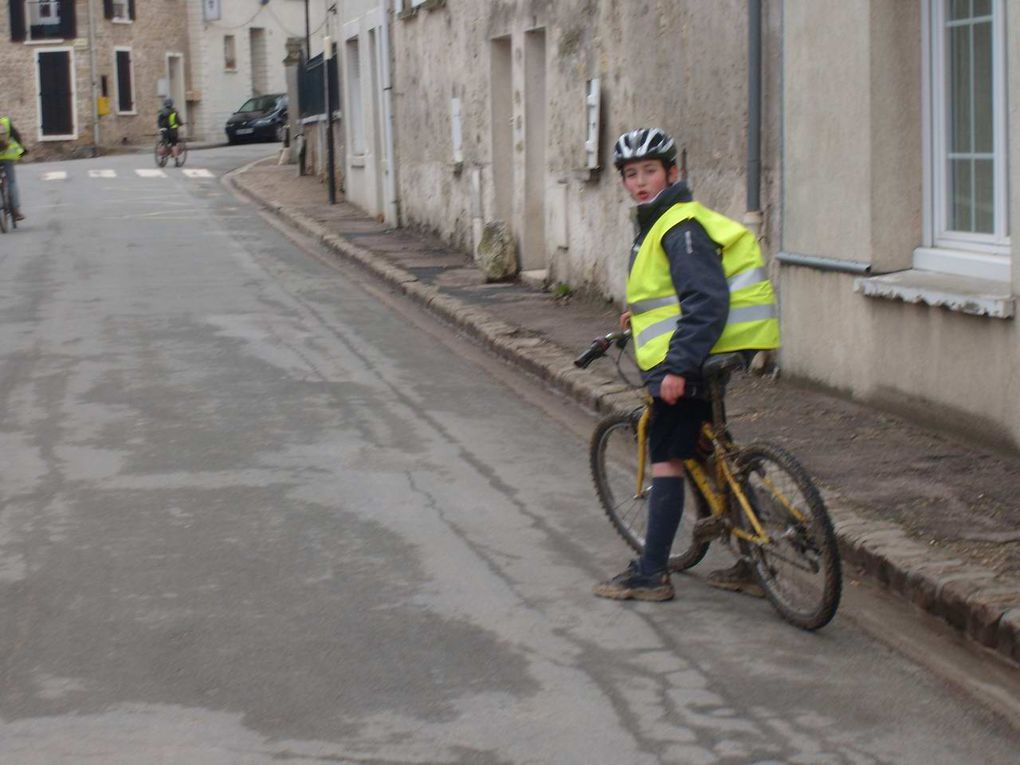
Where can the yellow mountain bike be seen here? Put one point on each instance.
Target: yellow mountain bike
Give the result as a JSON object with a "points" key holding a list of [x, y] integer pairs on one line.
{"points": [[758, 498]]}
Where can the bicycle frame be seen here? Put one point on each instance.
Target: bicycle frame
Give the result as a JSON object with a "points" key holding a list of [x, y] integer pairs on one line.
{"points": [[724, 451], [725, 478]]}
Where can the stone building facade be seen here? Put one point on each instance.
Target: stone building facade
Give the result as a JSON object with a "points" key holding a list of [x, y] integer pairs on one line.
{"points": [[494, 122], [76, 74]]}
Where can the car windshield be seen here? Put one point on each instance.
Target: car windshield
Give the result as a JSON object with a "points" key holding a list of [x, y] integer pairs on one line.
{"points": [[259, 104]]}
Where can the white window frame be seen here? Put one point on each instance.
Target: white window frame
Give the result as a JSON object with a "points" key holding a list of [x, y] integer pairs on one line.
{"points": [[116, 80], [74, 94], [126, 6], [227, 65], [985, 256], [355, 96]]}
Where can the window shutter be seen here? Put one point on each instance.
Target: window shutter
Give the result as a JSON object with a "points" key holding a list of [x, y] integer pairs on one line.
{"points": [[108, 9], [68, 20], [131, 9], [17, 20]]}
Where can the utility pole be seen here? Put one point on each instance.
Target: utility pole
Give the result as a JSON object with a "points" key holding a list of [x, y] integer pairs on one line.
{"points": [[327, 58]]}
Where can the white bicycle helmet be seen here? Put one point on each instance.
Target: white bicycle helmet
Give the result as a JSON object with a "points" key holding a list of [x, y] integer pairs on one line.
{"points": [[644, 143]]}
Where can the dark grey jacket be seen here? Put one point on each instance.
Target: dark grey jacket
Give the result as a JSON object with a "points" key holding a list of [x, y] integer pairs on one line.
{"points": [[695, 264]]}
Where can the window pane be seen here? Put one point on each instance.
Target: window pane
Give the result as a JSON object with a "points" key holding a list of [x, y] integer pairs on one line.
{"points": [[983, 110], [960, 203], [959, 89], [984, 196], [982, 7], [959, 9]]}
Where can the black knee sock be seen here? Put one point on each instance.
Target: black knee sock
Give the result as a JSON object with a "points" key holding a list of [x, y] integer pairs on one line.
{"points": [[665, 508]]}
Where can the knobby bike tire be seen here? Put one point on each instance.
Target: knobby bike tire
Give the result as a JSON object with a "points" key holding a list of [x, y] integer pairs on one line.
{"points": [[613, 462], [801, 557]]}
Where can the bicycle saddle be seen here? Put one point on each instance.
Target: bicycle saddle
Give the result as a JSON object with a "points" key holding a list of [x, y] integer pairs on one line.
{"points": [[721, 364]]}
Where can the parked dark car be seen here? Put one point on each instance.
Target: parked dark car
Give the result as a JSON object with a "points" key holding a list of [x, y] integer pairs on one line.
{"points": [[261, 118]]}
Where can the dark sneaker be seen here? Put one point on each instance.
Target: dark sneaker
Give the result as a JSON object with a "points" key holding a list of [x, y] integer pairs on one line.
{"points": [[18, 216], [736, 578], [632, 584]]}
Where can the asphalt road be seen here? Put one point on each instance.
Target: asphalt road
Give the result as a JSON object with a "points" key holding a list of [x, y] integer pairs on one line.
{"points": [[256, 510]]}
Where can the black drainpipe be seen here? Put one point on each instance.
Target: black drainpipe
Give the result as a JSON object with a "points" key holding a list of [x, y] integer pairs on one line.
{"points": [[754, 106]]}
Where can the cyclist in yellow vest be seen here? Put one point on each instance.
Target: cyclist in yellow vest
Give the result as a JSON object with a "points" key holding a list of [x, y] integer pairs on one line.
{"points": [[11, 150], [168, 122], [697, 285]]}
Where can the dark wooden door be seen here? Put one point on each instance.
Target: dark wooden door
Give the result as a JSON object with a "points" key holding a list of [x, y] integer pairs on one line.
{"points": [[55, 101]]}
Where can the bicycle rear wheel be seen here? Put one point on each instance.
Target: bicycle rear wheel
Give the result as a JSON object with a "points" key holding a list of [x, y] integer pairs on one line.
{"points": [[182, 154], [800, 568], [613, 459]]}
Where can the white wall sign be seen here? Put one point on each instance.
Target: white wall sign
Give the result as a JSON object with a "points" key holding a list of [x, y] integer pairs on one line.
{"points": [[211, 10]]}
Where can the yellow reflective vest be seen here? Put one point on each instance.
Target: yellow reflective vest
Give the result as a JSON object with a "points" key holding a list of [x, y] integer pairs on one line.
{"points": [[753, 321], [13, 150]]}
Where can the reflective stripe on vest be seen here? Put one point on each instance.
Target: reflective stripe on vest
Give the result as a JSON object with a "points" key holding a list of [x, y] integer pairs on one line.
{"points": [[652, 299]]}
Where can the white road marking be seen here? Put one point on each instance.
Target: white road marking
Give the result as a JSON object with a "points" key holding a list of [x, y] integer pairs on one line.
{"points": [[199, 172], [151, 173], [102, 173], [56, 175]]}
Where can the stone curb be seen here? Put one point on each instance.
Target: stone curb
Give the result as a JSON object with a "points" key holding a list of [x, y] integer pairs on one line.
{"points": [[968, 597]]}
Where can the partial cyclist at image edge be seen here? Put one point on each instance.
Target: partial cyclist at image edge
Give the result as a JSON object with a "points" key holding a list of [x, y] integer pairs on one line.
{"points": [[11, 150], [696, 286]]}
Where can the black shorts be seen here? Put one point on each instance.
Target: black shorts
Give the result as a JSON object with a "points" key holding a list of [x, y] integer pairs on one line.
{"points": [[674, 430]]}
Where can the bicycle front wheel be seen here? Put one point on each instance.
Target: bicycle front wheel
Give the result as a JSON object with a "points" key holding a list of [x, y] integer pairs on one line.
{"points": [[160, 155], [614, 469], [799, 567], [181, 154]]}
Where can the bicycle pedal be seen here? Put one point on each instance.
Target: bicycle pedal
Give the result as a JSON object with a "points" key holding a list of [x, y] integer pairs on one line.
{"points": [[707, 529]]}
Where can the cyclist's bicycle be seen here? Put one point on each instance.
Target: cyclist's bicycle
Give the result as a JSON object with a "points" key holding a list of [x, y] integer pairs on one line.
{"points": [[164, 151], [7, 221], [757, 497]]}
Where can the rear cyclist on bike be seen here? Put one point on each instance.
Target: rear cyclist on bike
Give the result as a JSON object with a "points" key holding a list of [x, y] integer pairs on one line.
{"points": [[168, 122], [11, 150], [696, 285]]}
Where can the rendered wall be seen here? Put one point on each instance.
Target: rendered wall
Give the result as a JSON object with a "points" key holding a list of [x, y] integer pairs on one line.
{"points": [[678, 64], [853, 189], [221, 91]]}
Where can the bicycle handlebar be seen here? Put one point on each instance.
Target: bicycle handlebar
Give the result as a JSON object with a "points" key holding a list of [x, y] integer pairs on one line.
{"points": [[600, 346]]}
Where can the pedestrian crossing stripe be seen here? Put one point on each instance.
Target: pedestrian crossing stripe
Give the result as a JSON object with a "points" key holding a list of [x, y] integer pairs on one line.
{"points": [[191, 172]]}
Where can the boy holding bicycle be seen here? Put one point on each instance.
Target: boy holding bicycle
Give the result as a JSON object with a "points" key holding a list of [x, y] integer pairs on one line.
{"points": [[697, 285]]}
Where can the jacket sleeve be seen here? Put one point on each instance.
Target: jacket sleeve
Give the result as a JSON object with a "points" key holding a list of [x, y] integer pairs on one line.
{"points": [[16, 135], [695, 265]]}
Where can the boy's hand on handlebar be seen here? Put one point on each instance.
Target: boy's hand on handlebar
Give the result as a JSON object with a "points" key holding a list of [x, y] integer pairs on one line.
{"points": [[625, 320], [672, 388]]}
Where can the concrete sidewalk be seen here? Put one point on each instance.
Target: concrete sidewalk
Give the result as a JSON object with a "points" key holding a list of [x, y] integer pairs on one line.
{"points": [[933, 518]]}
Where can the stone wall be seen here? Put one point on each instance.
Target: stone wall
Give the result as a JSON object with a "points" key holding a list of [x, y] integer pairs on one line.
{"points": [[677, 64]]}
